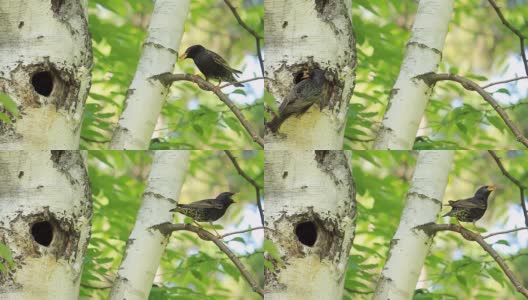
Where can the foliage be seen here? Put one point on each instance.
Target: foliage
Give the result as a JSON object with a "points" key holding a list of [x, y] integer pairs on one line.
{"points": [[191, 268], [454, 268], [6, 258], [191, 118], [11, 109], [455, 118]]}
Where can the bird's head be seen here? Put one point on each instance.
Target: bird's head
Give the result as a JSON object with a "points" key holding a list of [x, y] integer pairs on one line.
{"points": [[317, 75], [225, 197], [192, 51], [485, 191]]}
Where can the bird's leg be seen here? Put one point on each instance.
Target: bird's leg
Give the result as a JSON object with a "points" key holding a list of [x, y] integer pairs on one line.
{"points": [[216, 88], [217, 234], [197, 224]]}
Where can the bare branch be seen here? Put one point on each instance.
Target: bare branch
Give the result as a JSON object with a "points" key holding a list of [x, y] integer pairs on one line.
{"points": [[432, 78], [250, 180], [432, 228], [516, 31], [242, 81], [515, 181], [168, 228], [241, 231], [169, 78], [504, 81], [251, 31], [503, 232]]}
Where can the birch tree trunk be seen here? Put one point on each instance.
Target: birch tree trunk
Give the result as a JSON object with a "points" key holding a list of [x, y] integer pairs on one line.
{"points": [[409, 247], [300, 35], [311, 213], [45, 222], [45, 62], [409, 96], [145, 246], [145, 97]]}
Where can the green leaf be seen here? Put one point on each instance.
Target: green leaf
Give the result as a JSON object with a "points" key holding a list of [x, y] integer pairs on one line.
{"points": [[272, 250], [9, 104]]}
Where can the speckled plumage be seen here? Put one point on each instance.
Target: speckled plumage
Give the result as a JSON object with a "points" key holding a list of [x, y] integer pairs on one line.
{"points": [[471, 209], [211, 64], [303, 95], [207, 210]]}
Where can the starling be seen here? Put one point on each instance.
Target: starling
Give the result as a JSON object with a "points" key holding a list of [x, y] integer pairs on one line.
{"points": [[207, 210], [211, 64], [471, 209], [303, 95]]}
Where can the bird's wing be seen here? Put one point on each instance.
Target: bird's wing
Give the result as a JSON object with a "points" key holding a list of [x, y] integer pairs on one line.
{"points": [[207, 203], [294, 95], [219, 60], [467, 203]]}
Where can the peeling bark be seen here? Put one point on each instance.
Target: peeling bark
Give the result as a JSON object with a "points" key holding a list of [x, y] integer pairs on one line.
{"points": [[321, 38], [45, 62], [409, 247], [410, 95], [311, 212], [145, 245], [45, 221]]}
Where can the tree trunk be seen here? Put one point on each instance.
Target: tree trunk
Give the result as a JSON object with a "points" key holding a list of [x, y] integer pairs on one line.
{"points": [[300, 35], [45, 222], [311, 213], [45, 62], [409, 96], [145, 246], [408, 246], [145, 96]]}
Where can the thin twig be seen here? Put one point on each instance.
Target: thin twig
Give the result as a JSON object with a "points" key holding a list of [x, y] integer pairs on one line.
{"points": [[504, 81], [516, 31], [168, 228], [250, 180], [431, 78], [251, 31], [503, 232], [515, 181], [432, 228], [168, 78], [241, 231], [241, 81]]}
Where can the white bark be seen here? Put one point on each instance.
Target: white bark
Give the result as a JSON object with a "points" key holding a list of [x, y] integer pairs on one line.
{"points": [[145, 246], [317, 187], [52, 187], [409, 247], [41, 41], [409, 96], [301, 34], [145, 97]]}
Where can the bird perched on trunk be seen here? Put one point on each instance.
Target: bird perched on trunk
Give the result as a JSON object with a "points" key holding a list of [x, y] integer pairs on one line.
{"points": [[471, 209], [207, 210], [211, 64], [303, 95]]}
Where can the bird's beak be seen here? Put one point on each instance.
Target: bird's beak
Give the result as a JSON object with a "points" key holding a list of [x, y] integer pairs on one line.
{"points": [[183, 56], [492, 187], [306, 74]]}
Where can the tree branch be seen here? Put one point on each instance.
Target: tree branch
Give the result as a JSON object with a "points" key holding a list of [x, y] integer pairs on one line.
{"points": [[503, 232], [241, 231], [432, 228], [241, 81], [168, 228], [169, 78], [251, 31], [516, 31], [504, 81], [515, 181], [432, 78], [250, 180]]}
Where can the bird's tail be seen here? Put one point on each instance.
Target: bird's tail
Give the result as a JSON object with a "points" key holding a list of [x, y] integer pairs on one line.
{"points": [[275, 124]]}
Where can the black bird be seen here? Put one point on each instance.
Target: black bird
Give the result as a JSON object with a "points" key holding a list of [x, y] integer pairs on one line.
{"points": [[211, 64], [303, 95], [471, 209], [207, 210]]}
